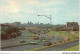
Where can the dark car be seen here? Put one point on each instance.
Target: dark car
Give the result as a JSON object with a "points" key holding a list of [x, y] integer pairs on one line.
{"points": [[22, 41], [48, 43]]}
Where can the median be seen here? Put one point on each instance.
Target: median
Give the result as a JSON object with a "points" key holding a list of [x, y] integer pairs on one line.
{"points": [[15, 45], [36, 49]]}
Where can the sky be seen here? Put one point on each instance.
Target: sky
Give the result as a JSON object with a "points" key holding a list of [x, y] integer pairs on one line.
{"points": [[62, 11]]}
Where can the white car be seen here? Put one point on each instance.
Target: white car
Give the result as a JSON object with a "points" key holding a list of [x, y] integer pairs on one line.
{"points": [[33, 43]]}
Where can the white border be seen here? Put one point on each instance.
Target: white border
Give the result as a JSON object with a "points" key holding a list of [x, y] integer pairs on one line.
{"points": [[79, 25], [38, 52], [42, 52]]}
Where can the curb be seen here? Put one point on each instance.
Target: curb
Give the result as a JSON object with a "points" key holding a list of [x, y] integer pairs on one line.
{"points": [[49, 46], [15, 45]]}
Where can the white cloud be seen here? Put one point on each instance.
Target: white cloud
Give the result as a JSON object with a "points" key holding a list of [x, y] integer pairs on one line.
{"points": [[37, 3], [54, 10], [47, 9], [15, 7], [73, 14], [57, 2], [32, 1], [28, 11], [10, 8]]}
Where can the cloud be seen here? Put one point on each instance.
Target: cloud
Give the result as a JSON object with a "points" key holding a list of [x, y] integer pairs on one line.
{"points": [[44, 3], [73, 14], [31, 8], [15, 5], [32, 1], [12, 8], [47, 9], [29, 11], [55, 10], [58, 2]]}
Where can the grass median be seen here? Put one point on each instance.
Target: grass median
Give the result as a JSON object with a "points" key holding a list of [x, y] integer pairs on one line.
{"points": [[64, 34], [15, 45], [43, 47]]}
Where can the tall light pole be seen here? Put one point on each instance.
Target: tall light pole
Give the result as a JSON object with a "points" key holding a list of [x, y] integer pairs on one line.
{"points": [[49, 17]]}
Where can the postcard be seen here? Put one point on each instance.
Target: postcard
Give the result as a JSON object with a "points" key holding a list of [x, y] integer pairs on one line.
{"points": [[39, 25]]}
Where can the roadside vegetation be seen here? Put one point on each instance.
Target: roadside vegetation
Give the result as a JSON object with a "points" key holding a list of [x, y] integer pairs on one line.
{"points": [[8, 32], [74, 48], [65, 34]]}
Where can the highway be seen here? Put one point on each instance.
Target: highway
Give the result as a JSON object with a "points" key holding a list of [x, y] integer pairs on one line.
{"points": [[25, 36], [61, 47], [15, 41], [40, 44], [29, 46]]}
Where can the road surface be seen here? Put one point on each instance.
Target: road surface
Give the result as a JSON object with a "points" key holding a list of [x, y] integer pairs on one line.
{"points": [[61, 47], [15, 41], [29, 47]]}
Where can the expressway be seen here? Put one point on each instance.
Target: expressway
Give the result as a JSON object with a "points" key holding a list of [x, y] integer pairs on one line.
{"points": [[39, 45], [29, 46], [15, 41], [61, 47]]}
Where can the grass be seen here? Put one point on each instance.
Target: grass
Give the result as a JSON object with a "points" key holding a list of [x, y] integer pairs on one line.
{"points": [[60, 33], [15, 45], [31, 34], [65, 34], [56, 33], [36, 49], [74, 48], [44, 47]]}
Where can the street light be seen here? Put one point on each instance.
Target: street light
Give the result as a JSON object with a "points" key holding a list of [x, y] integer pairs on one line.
{"points": [[49, 17]]}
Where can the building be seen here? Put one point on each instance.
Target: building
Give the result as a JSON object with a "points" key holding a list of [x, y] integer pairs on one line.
{"points": [[72, 25]]}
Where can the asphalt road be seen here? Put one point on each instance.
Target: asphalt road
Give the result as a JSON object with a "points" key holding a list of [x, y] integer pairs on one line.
{"points": [[29, 47], [61, 47], [15, 41]]}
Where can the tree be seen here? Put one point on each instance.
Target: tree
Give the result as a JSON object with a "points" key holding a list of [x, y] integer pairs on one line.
{"points": [[13, 35], [9, 32], [3, 35]]}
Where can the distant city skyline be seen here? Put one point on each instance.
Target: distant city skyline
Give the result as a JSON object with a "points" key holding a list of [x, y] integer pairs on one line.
{"points": [[62, 11]]}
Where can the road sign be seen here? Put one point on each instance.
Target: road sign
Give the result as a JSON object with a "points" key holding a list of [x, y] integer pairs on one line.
{"points": [[72, 33]]}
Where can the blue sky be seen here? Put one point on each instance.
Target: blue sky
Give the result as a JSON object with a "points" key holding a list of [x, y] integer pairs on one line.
{"points": [[62, 11]]}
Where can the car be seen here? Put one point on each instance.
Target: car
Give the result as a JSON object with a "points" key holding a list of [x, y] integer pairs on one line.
{"points": [[48, 43], [22, 41], [38, 34], [33, 43], [35, 37]]}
